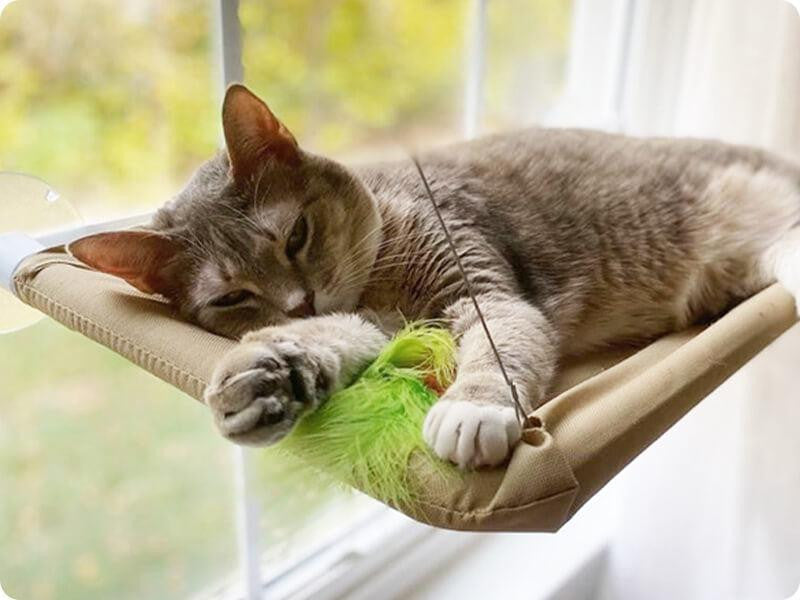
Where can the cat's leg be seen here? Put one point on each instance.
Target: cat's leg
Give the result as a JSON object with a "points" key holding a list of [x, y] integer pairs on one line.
{"points": [[261, 387], [781, 262], [474, 424]]}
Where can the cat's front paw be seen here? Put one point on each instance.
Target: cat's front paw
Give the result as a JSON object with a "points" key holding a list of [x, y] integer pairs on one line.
{"points": [[471, 435], [260, 388]]}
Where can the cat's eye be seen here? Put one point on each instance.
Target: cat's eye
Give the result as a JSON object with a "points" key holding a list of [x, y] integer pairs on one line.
{"points": [[232, 298], [297, 239]]}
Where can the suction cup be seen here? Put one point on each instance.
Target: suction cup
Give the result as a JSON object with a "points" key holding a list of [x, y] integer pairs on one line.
{"points": [[29, 206]]}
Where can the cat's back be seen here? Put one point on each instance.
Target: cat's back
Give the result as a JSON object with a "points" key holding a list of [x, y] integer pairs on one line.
{"points": [[547, 156], [627, 226], [554, 166]]}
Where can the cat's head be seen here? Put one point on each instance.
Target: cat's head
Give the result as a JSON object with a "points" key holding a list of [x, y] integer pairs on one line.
{"points": [[262, 233]]}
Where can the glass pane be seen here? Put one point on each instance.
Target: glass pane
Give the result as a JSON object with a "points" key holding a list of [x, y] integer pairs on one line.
{"points": [[358, 77], [114, 484], [110, 102], [361, 78], [301, 510], [31, 206], [527, 51], [119, 486]]}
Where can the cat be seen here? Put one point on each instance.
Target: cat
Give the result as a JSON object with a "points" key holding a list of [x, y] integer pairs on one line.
{"points": [[572, 239]]}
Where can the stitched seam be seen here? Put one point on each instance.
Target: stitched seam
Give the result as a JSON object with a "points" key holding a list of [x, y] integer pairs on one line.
{"points": [[115, 337]]}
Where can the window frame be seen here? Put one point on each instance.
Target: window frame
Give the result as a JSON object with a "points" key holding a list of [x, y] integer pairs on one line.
{"points": [[373, 556]]}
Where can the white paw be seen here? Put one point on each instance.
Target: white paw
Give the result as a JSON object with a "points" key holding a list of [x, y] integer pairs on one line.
{"points": [[471, 435]]}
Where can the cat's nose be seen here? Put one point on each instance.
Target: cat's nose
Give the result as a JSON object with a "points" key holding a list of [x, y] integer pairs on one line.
{"points": [[303, 309]]}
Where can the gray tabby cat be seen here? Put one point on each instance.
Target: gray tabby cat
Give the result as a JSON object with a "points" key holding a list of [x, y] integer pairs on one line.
{"points": [[573, 240]]}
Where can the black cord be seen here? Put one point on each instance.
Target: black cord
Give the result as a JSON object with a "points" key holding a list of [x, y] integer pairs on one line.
{"points": [[518, 408]]}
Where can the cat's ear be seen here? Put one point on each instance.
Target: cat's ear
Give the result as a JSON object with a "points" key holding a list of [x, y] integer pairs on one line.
{"points": [[145, 259], [253, 133]]}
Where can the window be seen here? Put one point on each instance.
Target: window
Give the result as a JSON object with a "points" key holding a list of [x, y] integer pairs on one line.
{"points": [[355, 78], [112, 484]]}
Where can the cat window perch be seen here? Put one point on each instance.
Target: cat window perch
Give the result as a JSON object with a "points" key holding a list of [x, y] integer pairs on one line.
{"points": [[606, 407]]}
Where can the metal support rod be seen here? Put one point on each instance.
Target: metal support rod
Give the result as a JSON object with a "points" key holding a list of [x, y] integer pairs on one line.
{"points": [[475, 67], [227, 37]]}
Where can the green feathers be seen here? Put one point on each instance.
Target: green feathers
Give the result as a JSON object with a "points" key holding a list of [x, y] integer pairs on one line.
{"points": [[365, 434]]}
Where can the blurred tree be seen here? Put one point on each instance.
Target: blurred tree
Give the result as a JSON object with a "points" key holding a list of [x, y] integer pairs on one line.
{"points": [[99, 89], [97, 92], [339, 71]]}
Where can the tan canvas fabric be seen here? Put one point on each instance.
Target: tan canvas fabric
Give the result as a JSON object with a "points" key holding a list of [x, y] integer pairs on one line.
{"points": [[606, 408]]}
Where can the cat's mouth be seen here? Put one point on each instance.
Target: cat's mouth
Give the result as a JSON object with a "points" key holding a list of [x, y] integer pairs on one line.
{"points": [[306, 307]]}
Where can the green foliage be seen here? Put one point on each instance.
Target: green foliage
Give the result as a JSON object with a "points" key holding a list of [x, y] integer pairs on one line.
{"points": [[113, 484], [100, 97], [339, 71], [100, 90]]}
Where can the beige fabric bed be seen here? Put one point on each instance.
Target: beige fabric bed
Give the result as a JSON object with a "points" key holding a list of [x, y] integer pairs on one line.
{"points": [[606, 408]]}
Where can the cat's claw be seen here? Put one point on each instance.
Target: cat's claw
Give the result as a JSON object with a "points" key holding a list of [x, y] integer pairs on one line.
{"points": [[259, 390], [471, 435]]}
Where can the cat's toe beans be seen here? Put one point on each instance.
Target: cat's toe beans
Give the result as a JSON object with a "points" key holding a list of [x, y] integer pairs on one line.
{"points": [[251, 396], [248, 371], [471, 435], [264, 421], [235, 422], [273, 412]]}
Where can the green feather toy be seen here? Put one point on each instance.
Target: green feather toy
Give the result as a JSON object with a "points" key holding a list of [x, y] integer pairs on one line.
{"points": [[365, 434]]}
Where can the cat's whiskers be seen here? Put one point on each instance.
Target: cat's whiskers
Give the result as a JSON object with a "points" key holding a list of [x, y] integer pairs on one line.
{"points": [[258, 184], [345, 265], [258, 227], [368, 237], [402, 240], [360, 247], [396, 260], [355, 256], [372, 275], [379, 271], [198, 248]]}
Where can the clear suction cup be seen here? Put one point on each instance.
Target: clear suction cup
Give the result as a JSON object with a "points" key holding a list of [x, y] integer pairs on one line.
{"points": [[29, 205]]}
